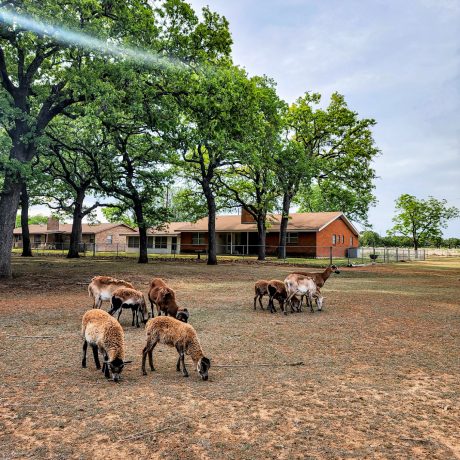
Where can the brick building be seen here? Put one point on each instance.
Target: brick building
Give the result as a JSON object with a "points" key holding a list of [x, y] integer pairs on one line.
{"points": [[320, 234], [56, 235]]}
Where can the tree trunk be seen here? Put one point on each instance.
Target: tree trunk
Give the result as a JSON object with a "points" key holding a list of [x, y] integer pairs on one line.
{"points": [[26, 247], [212, 244], [283, 225], [76, 234], [261, 236], [143, 257], [9, 203]]}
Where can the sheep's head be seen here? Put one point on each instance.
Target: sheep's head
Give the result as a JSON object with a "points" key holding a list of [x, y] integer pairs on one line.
{"points": [[116, 367], [202, 367], [335, 269], [183, 315]]}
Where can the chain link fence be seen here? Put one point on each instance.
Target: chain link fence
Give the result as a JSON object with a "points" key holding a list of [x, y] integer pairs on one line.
{"points": [[339, 255]]}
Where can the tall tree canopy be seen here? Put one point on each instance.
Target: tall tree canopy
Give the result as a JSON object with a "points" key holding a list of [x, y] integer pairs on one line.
{"points": [[421, 220]]}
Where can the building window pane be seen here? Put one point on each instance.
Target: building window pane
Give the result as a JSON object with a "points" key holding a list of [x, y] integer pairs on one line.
{"points": [[109, 239], [150, 242], [37, 238], [197, 238], [292, 238], [133, 242], [161, 242], [351, 241], [334, 239]]}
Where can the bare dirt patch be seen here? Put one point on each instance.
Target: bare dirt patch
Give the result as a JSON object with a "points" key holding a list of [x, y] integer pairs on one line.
{"points": [[380, 377]]}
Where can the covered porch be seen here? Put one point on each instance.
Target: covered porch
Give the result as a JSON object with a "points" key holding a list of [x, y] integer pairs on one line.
{"points": [[236, 243]]}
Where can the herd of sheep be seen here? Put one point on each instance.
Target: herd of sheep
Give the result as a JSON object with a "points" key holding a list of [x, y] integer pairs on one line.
{"points": [[104, 333]]}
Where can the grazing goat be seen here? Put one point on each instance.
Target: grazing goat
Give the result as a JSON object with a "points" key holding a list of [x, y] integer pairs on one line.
{"points": [[104, 334], [129, 298], [302, 285], [277, 291], [165, 299], [174, 333], [102, 288], [261, 289]]}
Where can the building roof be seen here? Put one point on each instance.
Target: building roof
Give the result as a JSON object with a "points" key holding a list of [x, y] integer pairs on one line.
{"points": [[67, 228], [302, 221], [164, 230]]}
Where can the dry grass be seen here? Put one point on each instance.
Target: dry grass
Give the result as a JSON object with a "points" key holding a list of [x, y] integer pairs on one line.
{"points": [[380, 380]]}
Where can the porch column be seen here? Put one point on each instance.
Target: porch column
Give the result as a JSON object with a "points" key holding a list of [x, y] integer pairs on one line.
{"points": [[247, 243]]}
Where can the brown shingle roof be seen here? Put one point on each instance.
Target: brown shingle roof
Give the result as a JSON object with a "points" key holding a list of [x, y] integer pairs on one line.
{"points": [[167, 229], [304, 221], [67, 228]]}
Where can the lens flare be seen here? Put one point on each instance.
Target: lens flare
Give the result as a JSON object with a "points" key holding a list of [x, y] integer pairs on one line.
{"points": [[71, 37]]}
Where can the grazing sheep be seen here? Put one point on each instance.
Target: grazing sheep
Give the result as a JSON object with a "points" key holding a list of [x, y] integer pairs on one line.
{"points": [[165, 299], [320, 279], [102, 288], [170, 331], [302, 285], [104, 334], [261, 289], [183, 315], [277, 291], [129, 298]]}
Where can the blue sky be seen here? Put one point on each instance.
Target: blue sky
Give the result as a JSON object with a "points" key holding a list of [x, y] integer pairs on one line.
{"points": [[395, 61]]}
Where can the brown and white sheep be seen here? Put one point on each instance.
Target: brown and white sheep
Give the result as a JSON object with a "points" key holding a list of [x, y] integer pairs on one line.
{"points": [[161, 295], [260, 290], [129, 298], [319, 278], [277, 291], [300, 285], [104, 334], [183, 337], [102, 288]]}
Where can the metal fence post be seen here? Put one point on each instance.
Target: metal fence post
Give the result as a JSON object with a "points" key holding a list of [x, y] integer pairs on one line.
{"points": [[330, 255], [397, 258], [94, 249], [117, 249]]}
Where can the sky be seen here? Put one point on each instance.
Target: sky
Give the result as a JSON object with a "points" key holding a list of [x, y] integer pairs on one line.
{"points": [[395, 61]]}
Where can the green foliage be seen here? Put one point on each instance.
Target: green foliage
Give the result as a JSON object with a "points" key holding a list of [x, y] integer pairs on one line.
{"points": [[339, 149], [37, 219], [421, 220], [116, 214]]}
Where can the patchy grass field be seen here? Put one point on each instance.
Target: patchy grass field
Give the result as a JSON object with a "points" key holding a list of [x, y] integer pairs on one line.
{"points": [[380, 377]]}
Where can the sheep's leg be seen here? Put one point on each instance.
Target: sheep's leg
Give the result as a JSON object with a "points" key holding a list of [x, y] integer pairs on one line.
{"points": [[133, 311], [178, 359], [288, 300], [105, 366], [96, 356], [85, 347], [148, 350], [255, 298], [119, 314], [271, 305], [310, 301], [260, 302], [182, 359]]}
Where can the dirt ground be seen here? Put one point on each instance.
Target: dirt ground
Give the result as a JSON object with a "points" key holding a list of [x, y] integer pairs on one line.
{"points": [[381, 373]]}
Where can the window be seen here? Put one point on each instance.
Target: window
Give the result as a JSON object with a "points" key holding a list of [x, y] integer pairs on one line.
{"points": [[150, 240], [37, 238], [334, 239], [161, 242], [133, 241], [109, 239], [197, 238], [91, 238], [292, 238], [174, 243], [351, 241]]}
